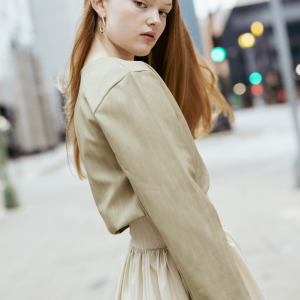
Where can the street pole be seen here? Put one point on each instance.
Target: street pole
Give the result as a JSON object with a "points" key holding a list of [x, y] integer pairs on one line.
{"points": [[285, 60]]}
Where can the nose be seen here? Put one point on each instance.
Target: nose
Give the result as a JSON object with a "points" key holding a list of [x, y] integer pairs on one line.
{"points": [[154, 18]]}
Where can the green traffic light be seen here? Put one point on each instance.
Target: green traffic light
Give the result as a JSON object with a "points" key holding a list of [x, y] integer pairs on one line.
{"points": [[218, 54], [255, 78]]}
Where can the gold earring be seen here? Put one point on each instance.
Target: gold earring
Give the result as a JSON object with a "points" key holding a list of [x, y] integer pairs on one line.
{"points": [[103, 25]]}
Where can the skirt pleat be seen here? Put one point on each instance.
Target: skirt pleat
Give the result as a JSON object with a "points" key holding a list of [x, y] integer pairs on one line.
{"points": [[151, 274], [242, 264]]}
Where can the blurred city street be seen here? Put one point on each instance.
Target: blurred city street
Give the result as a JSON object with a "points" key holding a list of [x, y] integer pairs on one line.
{"points": [[55, 245]]}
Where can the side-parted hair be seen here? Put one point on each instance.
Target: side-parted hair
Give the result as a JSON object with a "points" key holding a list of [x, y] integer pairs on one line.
{"points": [[175, 59]]}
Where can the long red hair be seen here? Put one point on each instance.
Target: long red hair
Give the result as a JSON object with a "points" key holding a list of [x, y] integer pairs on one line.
{"points": [[174, 57]]}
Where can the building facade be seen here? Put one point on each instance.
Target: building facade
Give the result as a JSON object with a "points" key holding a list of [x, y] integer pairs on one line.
{"points": [[262, 56]]}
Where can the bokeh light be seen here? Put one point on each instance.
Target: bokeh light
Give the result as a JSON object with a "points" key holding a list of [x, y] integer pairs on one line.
{"points": [[255, 78], [246, 40], [283, 95], [239, 89], [218, 54], [257, 28], [298, 69], [271, 77], [257, 89]]}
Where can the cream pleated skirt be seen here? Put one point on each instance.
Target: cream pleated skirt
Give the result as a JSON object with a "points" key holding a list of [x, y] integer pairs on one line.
{"points": [[149, 272]]}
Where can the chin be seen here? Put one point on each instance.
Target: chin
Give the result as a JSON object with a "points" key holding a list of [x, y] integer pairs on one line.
{"points": [[142, 51]]}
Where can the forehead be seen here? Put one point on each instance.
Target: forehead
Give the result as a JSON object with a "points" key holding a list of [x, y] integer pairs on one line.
{"points": [[162, 2]]}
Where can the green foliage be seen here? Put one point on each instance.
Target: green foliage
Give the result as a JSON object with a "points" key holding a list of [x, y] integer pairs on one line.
{"points": [[10, 196]]}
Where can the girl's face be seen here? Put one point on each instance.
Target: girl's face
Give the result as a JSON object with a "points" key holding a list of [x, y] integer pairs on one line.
{"points": [[134, 26]]}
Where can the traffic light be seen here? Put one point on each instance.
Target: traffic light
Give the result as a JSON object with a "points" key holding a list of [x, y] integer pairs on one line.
{"points": [[218, 54]]}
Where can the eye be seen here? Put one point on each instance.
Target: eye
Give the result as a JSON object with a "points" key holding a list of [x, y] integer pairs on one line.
{"points": [[163, 13], [140, 4]]}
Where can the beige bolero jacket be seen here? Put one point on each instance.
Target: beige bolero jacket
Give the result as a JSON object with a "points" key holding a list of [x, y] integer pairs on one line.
{"points": [[140, 158]]}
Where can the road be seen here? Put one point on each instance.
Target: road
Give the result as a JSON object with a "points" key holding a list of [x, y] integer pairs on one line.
{"points": [[56, 246]]}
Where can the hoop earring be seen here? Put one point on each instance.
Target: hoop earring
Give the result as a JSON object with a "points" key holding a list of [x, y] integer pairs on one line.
{"points": [[103, 25]]}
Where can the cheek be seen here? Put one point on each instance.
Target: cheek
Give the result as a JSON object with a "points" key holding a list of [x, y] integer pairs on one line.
{"points": [[123, 27], [161, 29]]}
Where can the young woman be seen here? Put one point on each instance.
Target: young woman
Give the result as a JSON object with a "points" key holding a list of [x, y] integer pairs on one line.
{"points": [[138, 94]]}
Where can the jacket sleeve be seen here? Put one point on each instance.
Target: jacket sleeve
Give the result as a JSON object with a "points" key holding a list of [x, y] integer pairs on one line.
{"points": [[150, 146]]}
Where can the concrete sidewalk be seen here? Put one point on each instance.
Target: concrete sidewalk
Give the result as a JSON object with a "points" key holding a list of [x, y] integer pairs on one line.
{"points": [[253, 187], [56, 246]]}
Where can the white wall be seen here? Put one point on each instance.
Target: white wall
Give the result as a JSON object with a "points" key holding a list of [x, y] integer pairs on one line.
{"points": [[15, 23], [54, 31]]}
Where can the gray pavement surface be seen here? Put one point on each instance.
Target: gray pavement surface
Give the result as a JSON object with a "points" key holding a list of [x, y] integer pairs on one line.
{"points": [[56, 246]]}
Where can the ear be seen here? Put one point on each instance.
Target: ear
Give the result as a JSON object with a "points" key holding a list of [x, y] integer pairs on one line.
{"points": [[99, 7]]}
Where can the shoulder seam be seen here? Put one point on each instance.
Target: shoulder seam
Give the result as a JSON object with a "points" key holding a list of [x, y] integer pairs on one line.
{"points": [[116, 83], [122, 65]]}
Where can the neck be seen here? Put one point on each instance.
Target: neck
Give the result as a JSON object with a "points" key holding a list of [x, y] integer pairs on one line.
{"points": [[103, 46]]}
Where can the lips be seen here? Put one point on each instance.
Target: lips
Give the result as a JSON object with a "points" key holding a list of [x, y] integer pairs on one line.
{"points": [[149, 36]]}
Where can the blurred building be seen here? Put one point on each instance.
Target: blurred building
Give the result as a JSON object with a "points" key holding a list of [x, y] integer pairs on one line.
{"points": [[36, 41], [223, 28], [25, 97], [260, 58]]}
